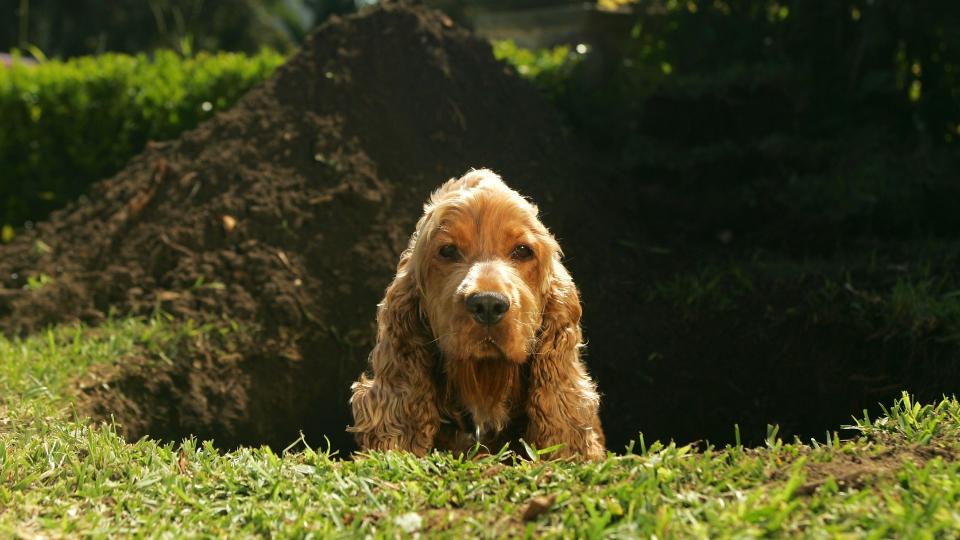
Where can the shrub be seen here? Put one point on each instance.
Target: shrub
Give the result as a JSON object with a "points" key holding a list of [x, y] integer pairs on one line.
{"points": [[69, 123], [550, 69]]}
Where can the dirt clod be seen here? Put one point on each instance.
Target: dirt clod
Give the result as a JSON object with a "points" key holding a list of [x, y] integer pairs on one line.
{"points": [[538, 506]]}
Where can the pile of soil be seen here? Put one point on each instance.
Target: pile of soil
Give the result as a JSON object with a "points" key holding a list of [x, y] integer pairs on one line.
{"points": [[285, 214]]}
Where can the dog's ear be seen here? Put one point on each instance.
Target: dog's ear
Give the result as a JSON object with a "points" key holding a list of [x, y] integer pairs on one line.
{"points": [[396, 409], [563, 404]]}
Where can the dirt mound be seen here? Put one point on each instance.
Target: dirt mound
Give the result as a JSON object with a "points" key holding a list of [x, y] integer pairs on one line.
{"points": [[286, 214]]}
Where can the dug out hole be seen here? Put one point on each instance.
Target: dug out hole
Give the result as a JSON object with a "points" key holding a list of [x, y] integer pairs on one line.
{"points": [[809, 381]]}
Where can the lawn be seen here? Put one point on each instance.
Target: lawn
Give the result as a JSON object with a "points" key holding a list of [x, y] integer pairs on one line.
{"points": [[62, 475]]}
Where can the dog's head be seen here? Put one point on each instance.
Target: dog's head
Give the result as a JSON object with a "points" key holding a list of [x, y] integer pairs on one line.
{"points": [[483, 265], [482, 282]]}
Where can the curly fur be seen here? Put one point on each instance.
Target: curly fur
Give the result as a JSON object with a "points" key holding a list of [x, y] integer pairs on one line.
{"points": [[438, 376]]}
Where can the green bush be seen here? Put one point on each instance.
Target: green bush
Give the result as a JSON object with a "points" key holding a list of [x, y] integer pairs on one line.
{"points": [[67, 124], [550, 69]]}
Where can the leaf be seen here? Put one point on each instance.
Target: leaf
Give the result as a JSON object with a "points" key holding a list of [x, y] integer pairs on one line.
{"points": [[531, 451], [182, 463], [493, 470], [229, 223]]}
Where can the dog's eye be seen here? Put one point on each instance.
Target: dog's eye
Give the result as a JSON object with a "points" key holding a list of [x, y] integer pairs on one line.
{"points": [[450, 252], [521, 253]]}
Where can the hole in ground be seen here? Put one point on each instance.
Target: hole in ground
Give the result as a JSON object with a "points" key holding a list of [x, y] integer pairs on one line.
{"points": [[706, 379], [230, 399], [694, 380]]}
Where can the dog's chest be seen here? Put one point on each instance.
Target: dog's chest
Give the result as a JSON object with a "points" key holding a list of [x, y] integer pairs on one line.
{"points": [[482, 402]]}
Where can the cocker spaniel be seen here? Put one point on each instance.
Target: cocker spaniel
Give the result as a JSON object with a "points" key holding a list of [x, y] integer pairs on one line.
{"points": [[478, 337]]}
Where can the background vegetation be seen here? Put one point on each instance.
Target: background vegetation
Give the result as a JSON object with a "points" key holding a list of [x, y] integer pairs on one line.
{"points": [[70, 123], [820, 113], [816, 112], [84, 27]]}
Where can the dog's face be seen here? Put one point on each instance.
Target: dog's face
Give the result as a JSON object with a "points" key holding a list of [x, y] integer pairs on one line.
{"points": [[484, 263]]}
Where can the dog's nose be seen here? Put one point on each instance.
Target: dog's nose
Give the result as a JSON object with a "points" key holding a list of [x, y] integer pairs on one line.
{"points": [[487, 307]]}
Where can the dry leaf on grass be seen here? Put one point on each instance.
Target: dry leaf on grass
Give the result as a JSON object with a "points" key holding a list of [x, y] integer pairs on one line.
{"points": [[538, 506], [182, 463]]}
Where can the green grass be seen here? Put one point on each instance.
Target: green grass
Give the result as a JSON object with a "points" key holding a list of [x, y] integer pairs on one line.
{"points": [[711, 288], [926, 306], [62, 477], [880, 297], [68, 123], [44, 365]]}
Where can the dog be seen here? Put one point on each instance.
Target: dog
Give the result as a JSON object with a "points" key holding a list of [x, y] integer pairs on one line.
{"points": [[478, 335]]}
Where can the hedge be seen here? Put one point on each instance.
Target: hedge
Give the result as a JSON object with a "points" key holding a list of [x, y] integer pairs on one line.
{"points": [[69, 123]]}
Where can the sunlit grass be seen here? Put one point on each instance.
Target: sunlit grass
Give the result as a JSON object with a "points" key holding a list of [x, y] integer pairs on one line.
{"points": [[45, 364], [63, 477]]}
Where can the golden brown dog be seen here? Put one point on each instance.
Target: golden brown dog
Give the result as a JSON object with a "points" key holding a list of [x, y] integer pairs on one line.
{"points": [[478, 336]]}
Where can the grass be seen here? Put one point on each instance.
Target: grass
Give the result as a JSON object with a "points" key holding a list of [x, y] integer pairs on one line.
{"points": [[884, 300], [711, 287], [60, 476], [926, 306], [44, 365]]}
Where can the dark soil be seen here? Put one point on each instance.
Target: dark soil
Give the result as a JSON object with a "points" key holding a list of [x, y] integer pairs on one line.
{"points": [[856, 470], [287, 214]]}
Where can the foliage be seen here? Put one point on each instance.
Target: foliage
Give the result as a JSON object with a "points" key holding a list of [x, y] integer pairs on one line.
{"points": [[551, 69], [83, 27], [818, 111], [463, 11], [536, 64], [67, 124], [921, 307], [866, 291], [815, 64]]}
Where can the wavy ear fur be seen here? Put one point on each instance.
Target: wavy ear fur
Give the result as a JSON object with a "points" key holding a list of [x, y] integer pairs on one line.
{"points": [[563, 404], [396, 409]]}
